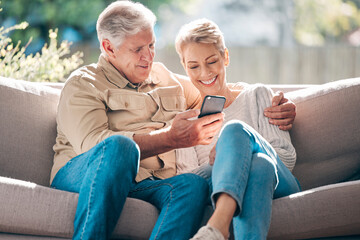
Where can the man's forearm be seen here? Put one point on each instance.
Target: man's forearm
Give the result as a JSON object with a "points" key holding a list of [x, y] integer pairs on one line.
{"points": [[183, 133], [152, 144]]}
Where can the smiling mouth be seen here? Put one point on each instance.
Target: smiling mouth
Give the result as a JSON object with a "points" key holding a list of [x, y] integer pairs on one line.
{"points": [[208, 82], [146, 66]]}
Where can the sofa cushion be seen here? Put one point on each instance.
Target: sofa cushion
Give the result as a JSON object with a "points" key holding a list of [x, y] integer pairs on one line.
{"points": [[31, 209], [9, 236], [28, 208], [28, 130], [326, 133], [331, 210]]}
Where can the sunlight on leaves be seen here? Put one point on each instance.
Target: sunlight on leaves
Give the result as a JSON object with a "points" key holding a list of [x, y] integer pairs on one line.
{"points": [[52, 64]]}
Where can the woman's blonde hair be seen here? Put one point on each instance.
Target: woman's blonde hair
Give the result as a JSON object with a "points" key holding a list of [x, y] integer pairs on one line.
{"points": [[122, 19], [200, 31]]}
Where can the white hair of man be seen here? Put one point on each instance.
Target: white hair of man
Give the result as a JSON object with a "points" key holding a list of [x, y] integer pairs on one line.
{"points": [[122, 19]]}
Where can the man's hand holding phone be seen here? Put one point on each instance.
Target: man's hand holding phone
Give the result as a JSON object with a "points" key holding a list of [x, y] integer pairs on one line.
{"points": [[187, 131], [211, 105]]}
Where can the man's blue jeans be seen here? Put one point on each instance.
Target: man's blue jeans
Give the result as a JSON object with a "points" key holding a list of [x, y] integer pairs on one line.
{"points": [[248, 169], [104, 177]]}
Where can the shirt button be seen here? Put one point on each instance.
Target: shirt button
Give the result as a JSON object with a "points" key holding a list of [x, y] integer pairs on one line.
{"points": [[126, 104]]}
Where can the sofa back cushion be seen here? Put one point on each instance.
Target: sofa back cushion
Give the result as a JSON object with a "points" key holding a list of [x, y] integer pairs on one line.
{"points": [[326, 132], [28, 130]]}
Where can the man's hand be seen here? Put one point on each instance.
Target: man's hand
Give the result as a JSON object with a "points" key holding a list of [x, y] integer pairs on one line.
{"points": [[212, 155], [188, 131], [282, 112]]}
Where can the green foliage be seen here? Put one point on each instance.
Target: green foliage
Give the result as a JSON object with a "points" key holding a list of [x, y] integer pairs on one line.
{"points": [[49, 65], [321, 21], [80, 15]]}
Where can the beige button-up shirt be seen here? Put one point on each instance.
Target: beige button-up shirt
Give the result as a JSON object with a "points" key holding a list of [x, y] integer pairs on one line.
{"points": [[97, 102]]}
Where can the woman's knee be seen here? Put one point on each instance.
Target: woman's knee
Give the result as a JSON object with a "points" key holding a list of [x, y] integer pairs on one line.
{"points": [[235, 132], [263, 169], [237, 128]]}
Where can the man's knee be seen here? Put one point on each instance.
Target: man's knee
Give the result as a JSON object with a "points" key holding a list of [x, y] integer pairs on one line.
{"points": [[121, 142], [123, 153]]}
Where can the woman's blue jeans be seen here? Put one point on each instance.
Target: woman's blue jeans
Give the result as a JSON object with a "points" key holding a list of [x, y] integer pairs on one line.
{"points": [[248, 169], [104, 177]]}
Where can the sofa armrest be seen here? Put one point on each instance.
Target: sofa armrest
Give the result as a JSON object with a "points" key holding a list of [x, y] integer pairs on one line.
{"points": [[326, 132]]}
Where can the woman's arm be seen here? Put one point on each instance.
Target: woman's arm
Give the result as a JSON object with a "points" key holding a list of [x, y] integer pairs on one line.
{"points": [[282, 111], [279, 139]]}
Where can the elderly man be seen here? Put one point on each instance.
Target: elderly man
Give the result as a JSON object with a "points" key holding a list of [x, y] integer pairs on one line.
{"points": [[124, 105]]}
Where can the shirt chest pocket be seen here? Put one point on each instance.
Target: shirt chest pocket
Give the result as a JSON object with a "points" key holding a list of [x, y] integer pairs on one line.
{"points": [[173, 103], [126, 102], [125, 111]]}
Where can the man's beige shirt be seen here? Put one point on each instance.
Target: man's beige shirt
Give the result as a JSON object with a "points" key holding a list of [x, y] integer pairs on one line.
{"points": [[97, 102]]}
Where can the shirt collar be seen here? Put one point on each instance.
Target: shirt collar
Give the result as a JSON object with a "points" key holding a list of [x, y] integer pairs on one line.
{"points": [[114, 76]]}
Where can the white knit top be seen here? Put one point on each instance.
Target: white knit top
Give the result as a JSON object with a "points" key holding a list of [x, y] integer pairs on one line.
{"points": [[248, 107]]}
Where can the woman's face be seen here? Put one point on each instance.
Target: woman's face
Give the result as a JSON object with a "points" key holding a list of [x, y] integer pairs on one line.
{"points": [[205, 67]]}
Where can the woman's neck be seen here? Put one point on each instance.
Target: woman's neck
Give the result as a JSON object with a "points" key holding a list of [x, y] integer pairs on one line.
{"points": [[229, 94]]}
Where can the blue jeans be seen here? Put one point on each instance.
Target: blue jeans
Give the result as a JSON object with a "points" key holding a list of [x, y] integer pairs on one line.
{"points": [[104, 177], [248, 169]]}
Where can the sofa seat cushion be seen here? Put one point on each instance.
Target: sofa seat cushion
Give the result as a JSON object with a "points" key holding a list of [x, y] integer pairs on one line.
{"points": [[331, 210], [31, 209], [326, 133], [28, 130], [9, 236]]}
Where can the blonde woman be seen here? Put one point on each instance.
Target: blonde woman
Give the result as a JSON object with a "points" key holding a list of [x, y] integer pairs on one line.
{"points": [[253, 159]]}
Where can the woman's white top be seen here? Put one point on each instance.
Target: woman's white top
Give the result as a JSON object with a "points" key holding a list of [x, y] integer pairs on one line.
{"points": [[248, 107]]}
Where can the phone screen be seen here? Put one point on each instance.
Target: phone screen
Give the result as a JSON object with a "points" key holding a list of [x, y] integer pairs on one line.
{"points": [[212, 104]]}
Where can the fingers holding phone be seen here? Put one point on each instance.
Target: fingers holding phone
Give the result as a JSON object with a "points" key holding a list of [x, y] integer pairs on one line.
{"points": [[211, 105], [211, 114], [187, 130]]}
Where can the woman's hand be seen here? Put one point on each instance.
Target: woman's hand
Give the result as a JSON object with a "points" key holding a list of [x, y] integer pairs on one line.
{"points": [[282, 112]]}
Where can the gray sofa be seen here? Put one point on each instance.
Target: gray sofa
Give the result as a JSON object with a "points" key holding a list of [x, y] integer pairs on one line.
{"points": [[326, 135]]}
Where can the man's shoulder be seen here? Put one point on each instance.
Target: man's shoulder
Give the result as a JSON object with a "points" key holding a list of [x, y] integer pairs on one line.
{"points": [[91, 72], [162, 75], [85, 77]]}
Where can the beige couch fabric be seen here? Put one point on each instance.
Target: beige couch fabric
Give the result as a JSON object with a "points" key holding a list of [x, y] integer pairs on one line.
{"points": [[28, 208], [325, 134], [331, 210], [28, 130]]}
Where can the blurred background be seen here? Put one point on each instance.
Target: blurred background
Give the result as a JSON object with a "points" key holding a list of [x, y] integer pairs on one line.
{"points": [[270, 41]]}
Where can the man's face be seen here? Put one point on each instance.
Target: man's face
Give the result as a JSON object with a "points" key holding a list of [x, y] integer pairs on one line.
{"points": [[134, 57]]}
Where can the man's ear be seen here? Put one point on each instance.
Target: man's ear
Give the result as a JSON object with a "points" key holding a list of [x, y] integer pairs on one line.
{"points": [[108, 47], [227, 58]]}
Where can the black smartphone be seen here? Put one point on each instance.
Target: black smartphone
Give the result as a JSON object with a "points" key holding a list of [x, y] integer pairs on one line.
{"points": [[212, 104]]}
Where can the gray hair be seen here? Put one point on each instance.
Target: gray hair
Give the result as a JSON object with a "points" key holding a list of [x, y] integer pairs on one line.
{"points": [[200, 31], [122, 19]]}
